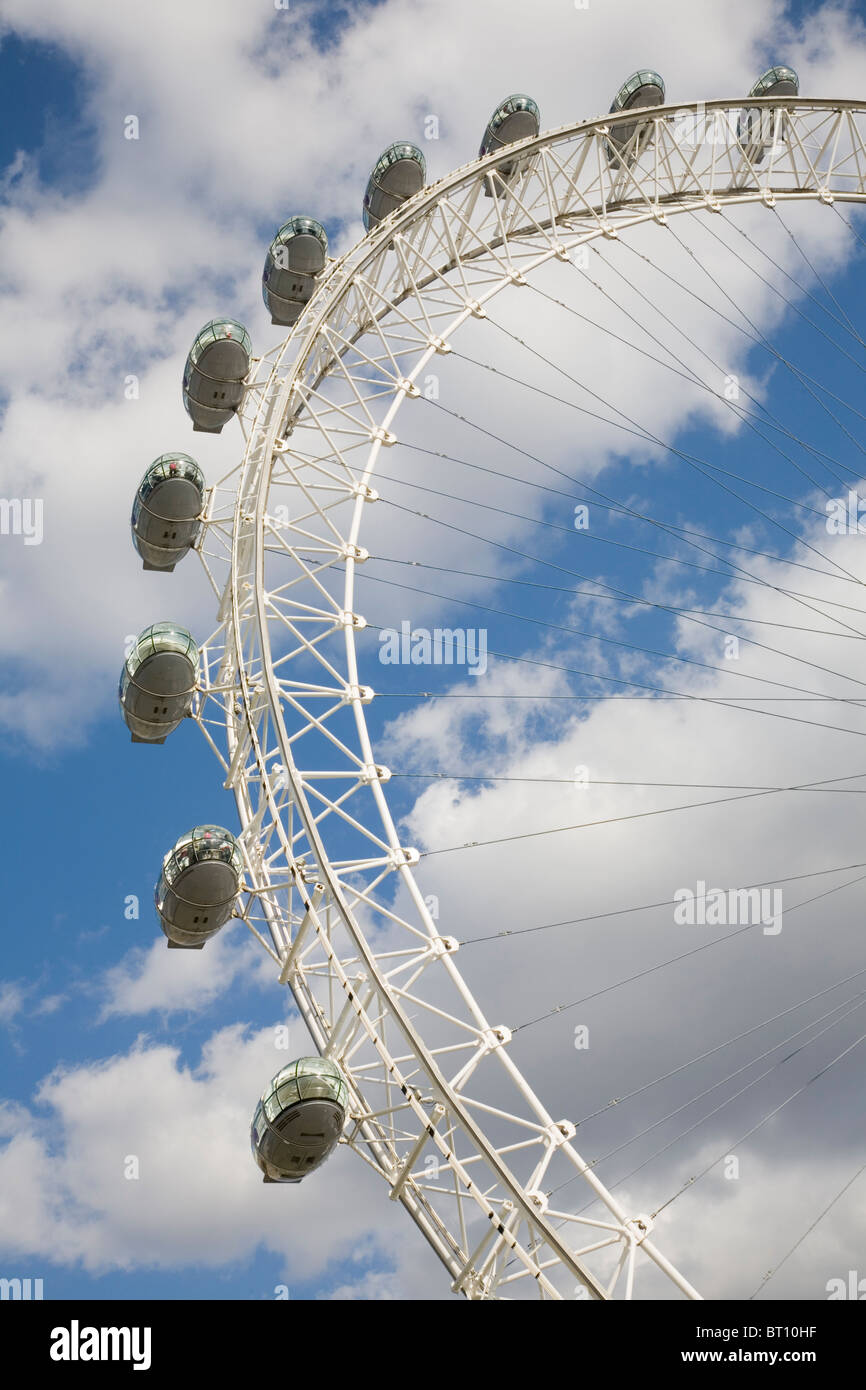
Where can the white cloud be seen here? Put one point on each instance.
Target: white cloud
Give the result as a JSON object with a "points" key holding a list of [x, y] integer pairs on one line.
{"points": [[157, 979], [12, 998], [199, 1199]]}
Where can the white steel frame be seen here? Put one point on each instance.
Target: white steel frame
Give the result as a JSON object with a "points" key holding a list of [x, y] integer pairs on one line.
{"points": [[438, 1107]]}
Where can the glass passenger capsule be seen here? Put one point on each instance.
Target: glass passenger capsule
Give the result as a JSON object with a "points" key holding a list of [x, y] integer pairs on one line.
{"points": [[398, 175], [759, 127], [515, 118], [198, 885], [644, 88], [157, 682], [166, 513], [296, 257], [299, 1119], [777, 82], [214, 375]]}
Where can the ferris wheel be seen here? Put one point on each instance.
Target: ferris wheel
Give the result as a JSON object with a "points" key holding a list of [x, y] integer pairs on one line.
{"points": [[415, 1073]]}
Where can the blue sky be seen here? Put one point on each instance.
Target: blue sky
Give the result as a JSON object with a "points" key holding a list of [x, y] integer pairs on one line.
{"points": [[149, 250], [44, 95]]}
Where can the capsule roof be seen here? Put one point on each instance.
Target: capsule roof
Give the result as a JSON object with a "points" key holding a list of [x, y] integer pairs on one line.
{"points": [[773, 77], [309, 1078], [170, 466], [196, 846], [516, 102], [218, 330], [299, 226], [156, 639], [395, 154], [645, 77]]}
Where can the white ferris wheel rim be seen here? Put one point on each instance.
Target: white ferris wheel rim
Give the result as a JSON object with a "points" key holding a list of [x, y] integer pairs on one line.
{"points": [[822, 158]]}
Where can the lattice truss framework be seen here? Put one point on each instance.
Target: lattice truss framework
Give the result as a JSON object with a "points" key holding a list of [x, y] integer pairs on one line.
{"points": [[439, 1108]]}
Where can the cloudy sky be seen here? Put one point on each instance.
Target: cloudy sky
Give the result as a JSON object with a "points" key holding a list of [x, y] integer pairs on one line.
{"points": [[113, 252]]}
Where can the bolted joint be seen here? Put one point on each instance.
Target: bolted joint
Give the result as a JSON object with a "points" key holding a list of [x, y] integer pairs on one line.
{"points": [[560, 1132], [639, 1227], [439, 344], [364, 693], [347, 619], [408, 387], [403, 855], [539, 1200], [560, 252], [373, 772], [369, 494], [444, 946], [494, 1038], [476, 309], [384, 436], [355, 552], [472, 1286]]}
